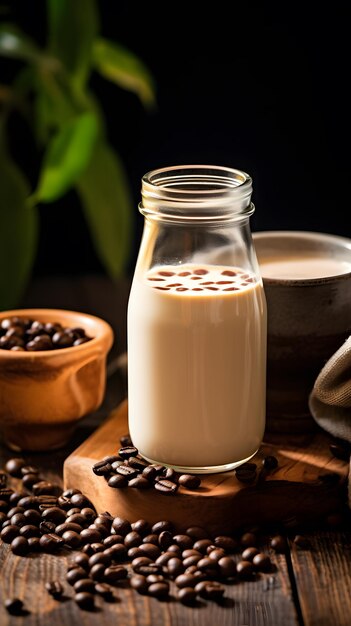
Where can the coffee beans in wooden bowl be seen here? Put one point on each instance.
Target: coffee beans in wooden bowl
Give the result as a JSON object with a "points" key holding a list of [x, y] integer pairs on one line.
{"points": [[31, 335]]}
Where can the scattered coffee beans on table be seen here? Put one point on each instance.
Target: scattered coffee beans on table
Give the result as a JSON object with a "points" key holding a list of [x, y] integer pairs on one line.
{"points": [[27, 335], [128, 469], [107, 553]]}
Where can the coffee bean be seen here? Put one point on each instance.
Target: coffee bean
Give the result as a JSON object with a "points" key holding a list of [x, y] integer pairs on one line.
{"points": [[249, 553], [146, 570], [115, 573], [165, 539], [216, 554], [139, 583], [127, 471], [14, 606], [127, 451], [89, 535], [14, 466], [279, 544], [54, 514], [149, 472], [97, 572], [3, 480], [104, 590], [81, 501], [340, 450], [197, 532], [71, 539], [118, 552], [202, 544], [137, 463], [85, 600], [84, 584], [155, 578], [6, 493], [54, 588], [227, 566], [166, 487], [62, 528], [125, 441], [99, 557], [117, 481], [19, 545], [248, 540], [142, 527], [132, 539], [140, 561], [262, 562], [75, 574], [162, 525], [186, 580], [29, 530], [189, 481], [164, 558], [245, 475], [44, 487], [187, 596], [270, 462], [150, 550], [76, 518], [102, 468], [171, 474], [47, 527], [29, 480], [51, 542], [121, 526], [34, 544], [159, 590], [175, 566], [140, 482], [210, 590], [152, 538], [88, 513], [245, 570]]}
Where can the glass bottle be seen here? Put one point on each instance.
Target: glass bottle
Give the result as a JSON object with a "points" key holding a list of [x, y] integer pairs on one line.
{"points": [[197, 323]]}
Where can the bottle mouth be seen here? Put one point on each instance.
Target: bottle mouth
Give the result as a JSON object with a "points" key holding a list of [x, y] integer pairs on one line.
{"points": [[196, 191]]}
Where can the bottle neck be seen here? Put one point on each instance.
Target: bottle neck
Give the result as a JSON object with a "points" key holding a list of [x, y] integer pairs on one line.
{"points": [[196, 194]]}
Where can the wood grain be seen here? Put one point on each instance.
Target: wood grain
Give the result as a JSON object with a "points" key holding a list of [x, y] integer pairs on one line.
{"points": [[323, 579], [294, 490]]}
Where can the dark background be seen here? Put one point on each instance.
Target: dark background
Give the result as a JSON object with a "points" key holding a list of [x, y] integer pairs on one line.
{"points": [[260, 88]]}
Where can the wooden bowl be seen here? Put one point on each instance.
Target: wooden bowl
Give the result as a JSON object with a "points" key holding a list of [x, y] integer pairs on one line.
{"points": [[43, 394]]}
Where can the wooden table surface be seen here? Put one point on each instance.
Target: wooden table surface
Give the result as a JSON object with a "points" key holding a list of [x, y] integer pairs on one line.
{"points": [[310, 587]]}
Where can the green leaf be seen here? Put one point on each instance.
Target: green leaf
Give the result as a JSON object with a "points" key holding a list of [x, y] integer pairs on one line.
{"points": [[105, 196], [72, 27], [19, 234], [67, 156], [121, 66], [17, 45]]}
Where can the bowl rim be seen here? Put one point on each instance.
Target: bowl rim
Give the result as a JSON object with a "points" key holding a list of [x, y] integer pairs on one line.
{"points": [[106, 332]]}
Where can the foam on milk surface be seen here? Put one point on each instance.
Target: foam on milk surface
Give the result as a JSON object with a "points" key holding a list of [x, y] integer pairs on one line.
{"points": [[196, 364]]}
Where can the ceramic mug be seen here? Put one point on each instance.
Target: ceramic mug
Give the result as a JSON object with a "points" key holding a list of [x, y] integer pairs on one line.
{"points": [[307, 281]]}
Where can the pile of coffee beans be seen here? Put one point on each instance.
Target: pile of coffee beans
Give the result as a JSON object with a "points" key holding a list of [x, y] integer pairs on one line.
{"points": [[108, 552], [21, 334], [128, 469]]}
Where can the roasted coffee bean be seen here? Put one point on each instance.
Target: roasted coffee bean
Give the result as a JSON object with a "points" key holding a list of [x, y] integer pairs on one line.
{"points": [[14, 510], [177, 551], [112, 458], [9, 533], [44, 487], [146, 570], [6, 493], [159, 590], [40, 342], [202, 544], [29, 530], [97, 572], [125, 441], [29, 480], [171, 474], [183, 541], [29, 469], [127, 451], [84, 584], [3, 518], [62, 528], [4, 506], [121, 526], [210, 590], [207, 565], [115, 573], [81, 501], [245, 475], [137, 463], [75, 574], [248, 540], [279, 544], [46, 501], [150, 550], [249, 553], [104, 590], [189, 481], [162, 525], [47, 527], [150, 473], [142, 527], [127, 471], [132, 539], [175, 566], [302, 542], [71, 539], [80, 560], [187, 596], [54, 514], [14, 606], [216, 553], [139, 483], [19, 546], [89, 535], [133, 553], [227, 566], [51, 542], [76, 518], [54, 588], [270, 462], [197, 532], [155, 578], [165, 539], [34, 544], [152, 538], [102, 468], [85, 600], [140, 561], [88, 513], [116, 464], [262, 562], [111, 540], [100, 557], [166, 486], [14, 466], [18, 520], [245, 570], [139, 583], [117, 481], [62, 340], [3, 480], [186, 580]]}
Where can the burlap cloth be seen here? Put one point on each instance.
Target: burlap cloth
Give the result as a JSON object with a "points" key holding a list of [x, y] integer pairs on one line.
{"points": [[330, 399]]}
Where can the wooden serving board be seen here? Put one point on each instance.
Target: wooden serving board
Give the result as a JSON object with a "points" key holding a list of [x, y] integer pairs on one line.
{"points": [[293, 493]]}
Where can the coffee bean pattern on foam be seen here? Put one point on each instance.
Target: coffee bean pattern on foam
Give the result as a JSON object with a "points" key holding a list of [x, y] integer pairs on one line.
{"points": [[181, 279]]}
